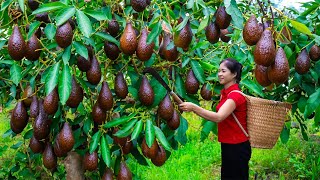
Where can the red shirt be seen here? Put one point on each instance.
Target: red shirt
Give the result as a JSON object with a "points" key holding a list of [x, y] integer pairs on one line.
{"points": [[228, 129]]}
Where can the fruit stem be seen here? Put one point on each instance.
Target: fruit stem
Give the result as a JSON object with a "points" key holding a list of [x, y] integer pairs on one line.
{"points": [[135, 66], [262, 10], [45, 48], [271, 15]]}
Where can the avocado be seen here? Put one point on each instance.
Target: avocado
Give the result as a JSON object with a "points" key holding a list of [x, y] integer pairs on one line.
{"points": [[57, 149], [94, 73], [223, 37], [34, 107], [113, 27], [36, 146], [206, 93], [27, 96], [146, 94], [278, 72], [128, 40], [48, 157], [160, 158], [41, 125], [223, 19], [112, 51], [261, 74], [165, 108], [303, 63], [65, 138], [126, 149], [169, 54], [51, 102], [192, 84], [19, 117], [83, 64], [252, 31], [184, 37], [139, 5], [117, 140], [108, 174], [212, 32], [265, 51], [120, 86], [149, 152], [64, 35], [33, 49], [16, 44], [314, 53], [90, 161], [174, 122], [76, 95], [144, 51], [33, 4], [124, 172], [98, 114], [105, 97]]}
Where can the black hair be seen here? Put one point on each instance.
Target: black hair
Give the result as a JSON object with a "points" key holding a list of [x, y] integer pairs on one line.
{"points": [[234, 66]]}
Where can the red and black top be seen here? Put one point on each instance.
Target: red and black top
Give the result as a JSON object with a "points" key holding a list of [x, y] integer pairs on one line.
{"points": [[228, 129]]}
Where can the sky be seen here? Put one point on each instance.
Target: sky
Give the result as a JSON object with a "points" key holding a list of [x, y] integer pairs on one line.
{"points": [[290, 3]]}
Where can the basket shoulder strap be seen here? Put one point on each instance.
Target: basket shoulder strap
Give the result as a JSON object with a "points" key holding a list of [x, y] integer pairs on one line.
{"points": [[236, 119], [237, 92]]}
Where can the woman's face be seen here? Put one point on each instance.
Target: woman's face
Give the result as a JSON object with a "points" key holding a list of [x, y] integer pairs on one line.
{"points": [[225, 76]]}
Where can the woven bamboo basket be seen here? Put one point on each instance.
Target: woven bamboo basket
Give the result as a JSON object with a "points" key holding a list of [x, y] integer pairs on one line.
{"points": [[265, 120]]}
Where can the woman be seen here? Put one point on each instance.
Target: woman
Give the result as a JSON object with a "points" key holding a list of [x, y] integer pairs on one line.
{"points": [[235, 145]]}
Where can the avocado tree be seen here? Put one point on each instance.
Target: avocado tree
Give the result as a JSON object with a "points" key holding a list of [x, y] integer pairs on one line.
{"points": [[75, 72]]}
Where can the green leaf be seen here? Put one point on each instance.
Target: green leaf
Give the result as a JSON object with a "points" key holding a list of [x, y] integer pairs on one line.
{"points": [[65, 84], [200, 44], [233, 10], [118, 121], [206, 129], [300, 27], [190, 4], [182, 24], [81, 49], [84, 23], [32, 28], [105, 151], [97, 14], [312, 103], [5, 4], [203, 24], [21, 5], [15, 73], [17, 145], [66, 55], [47, 7], [149, 133], [181, 131], [180, 89], [154, 33], [137, 130], [126, 130], [285, 133], [108, 38], [50, 31], [198, 71], [52, 78], [2, 43], [64, 14], [207, 66], [252, 87], [162, 138], [317, 116], [94, 141], [170, 45]]}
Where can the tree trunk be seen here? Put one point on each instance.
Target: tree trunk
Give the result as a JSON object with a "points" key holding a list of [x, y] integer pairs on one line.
{"points": [[73, 165]]}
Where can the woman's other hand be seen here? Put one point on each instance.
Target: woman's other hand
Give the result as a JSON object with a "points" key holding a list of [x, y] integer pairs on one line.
{"points": [[187, 106]]}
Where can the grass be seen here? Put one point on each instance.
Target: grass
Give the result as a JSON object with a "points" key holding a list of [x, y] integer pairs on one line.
{"points": [[201, 160]]}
